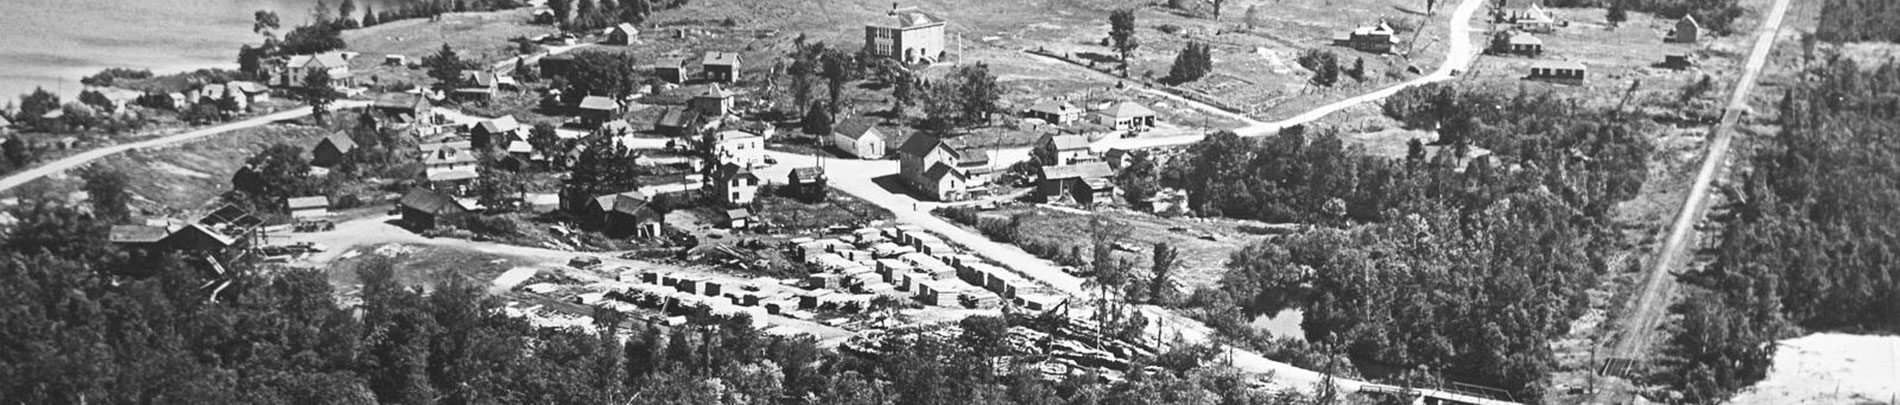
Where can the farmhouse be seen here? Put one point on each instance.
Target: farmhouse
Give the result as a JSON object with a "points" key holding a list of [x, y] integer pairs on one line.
{"points": [[595, 110], [733, 185], [628, 214], [1533, 18], [712, 101], [623, 34], [682, 121], [859, 138], [1086, 183], [308, 208], [1056, 112], [496, 132], [1062, 149], [1379, 38], [672, 70], [1558, 70], [332, 149], [916, 37], [738, 147], [293, 71], [1524, 44], [934, 168], [1687, 30], [1126, 115], [425, 208], [449, 166], [720, 66]]}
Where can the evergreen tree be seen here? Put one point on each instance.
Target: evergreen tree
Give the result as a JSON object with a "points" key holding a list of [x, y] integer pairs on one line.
{"points": [[445, 66], [817, 120], [1617, 15], [369, 16], [1121, 31], [106, 189]]}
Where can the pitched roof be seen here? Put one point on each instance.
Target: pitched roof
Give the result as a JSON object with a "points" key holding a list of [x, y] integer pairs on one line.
{"points": [[480, 78], [911, 17], [1064, 141], [807, 173], [1128, 109], [1090, 170], [137, 234], [720, 59], [520, 147], [627, 28], [856, 129], [940, 170], [675, 63], [678, 117], [601, 103], [449, 155], [627, 203], [339, 140], [297, 203], [922, 144], [504, 124], [398, 100], [430, 201], [1057, 107], [180, 238], [454, 175], [730, 171], [324, 60], [712, 91], [738, 213], [733, 135]]}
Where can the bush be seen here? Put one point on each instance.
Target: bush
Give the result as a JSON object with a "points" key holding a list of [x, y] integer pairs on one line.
{"points": [[107, 77], [493, 225]]}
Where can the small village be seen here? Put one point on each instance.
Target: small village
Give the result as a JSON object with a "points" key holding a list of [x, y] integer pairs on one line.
{"points": [[656, 167]]}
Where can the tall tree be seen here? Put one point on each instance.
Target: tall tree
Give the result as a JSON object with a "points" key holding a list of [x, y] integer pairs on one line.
{"points": [[817, 121], [319, 92], [445, 66], [106, 189], [1161, 289], [1121, 31], [1617, 14], [369, 16]]}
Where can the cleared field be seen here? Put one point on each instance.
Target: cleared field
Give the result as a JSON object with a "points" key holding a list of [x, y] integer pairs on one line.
{"points": [[1616, 58], [1204, 244]]}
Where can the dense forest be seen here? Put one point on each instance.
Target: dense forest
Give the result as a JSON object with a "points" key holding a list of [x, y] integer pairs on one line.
{"points": [[1859, 20], [1467, 266], [86, 322], [1811, 238]]}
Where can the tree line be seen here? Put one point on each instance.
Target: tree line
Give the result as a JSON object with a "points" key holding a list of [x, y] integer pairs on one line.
{"points": [[1859, 20], [1717, 15], [1463, 263], [88, 322], [1808, 240]]}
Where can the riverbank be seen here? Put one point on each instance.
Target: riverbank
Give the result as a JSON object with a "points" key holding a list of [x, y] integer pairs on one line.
{"points": [[1830, 368]]}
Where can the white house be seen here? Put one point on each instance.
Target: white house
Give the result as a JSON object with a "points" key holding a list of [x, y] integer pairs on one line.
{"points": [[860, 139]]}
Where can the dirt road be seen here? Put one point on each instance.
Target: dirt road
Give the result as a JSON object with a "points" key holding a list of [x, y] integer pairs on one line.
{"points": [[1638, 329], [22, 177]]}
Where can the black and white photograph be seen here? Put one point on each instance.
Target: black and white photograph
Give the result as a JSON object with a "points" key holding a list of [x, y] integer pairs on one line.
{"points": [[948, 202]]}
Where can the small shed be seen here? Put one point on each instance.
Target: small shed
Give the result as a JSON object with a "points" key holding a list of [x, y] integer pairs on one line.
{"points": [[623, 34], [308, 208], [738, 218]]}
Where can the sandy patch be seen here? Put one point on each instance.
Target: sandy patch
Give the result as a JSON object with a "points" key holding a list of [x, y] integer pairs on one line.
{"points": [[513, 277], [1830, 368]]}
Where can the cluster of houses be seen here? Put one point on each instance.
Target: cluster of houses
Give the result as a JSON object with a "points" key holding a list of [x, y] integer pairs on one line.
{"points": [[1517, 37], [907, 261]]}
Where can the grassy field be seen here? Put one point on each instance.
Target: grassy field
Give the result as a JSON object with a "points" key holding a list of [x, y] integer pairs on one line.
{"points": [[187, 177], [1205, 244], [1617, 57], [475, 36]]}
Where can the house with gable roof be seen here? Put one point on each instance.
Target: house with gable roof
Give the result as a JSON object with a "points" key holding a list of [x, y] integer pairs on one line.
{"points": [[720, 67], [297, 67], [332, 149], [860, 139]]}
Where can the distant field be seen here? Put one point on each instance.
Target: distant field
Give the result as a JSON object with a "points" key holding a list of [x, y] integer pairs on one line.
{"points": [[1201, 264], [1616, 58], [476, 36]]}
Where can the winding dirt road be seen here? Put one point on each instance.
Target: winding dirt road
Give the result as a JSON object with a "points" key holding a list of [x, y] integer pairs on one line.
{"points": [[70, 162]]}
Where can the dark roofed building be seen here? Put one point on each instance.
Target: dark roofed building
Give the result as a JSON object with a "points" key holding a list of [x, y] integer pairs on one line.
{"points": [[1086, 183], [399, 104], [680, 121], [1055, 112], [632, 215], [595, 110], [721, 66], [425, 208], [672, 70], [332, 149]]}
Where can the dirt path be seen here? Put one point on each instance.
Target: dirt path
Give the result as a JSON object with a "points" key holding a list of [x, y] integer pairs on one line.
{"points": [[22, 177], [1638, 328]]}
